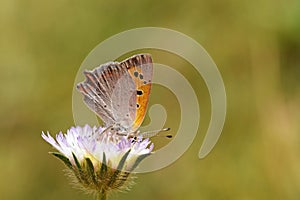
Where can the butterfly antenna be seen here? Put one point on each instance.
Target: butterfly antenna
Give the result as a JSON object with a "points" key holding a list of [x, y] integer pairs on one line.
{"points": [[149, 134]]}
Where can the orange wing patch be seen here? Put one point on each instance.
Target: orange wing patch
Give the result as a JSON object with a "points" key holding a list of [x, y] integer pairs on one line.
{"points": [[142, 103], [140, 69], [143, 89]]}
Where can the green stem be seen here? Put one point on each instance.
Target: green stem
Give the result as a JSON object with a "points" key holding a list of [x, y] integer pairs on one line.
{"points": [[102, 195]]}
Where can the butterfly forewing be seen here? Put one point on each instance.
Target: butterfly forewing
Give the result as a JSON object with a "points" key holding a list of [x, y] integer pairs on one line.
{"points": [[140, 68], [123, 101], [119, 92]]}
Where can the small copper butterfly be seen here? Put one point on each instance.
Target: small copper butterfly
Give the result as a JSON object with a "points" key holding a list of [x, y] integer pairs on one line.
{"points": [[118, 92]]}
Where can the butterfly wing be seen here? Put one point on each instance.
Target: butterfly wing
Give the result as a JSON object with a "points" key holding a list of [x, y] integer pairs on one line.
{"points": [[119, 92], [103, 90], [140, 68]]}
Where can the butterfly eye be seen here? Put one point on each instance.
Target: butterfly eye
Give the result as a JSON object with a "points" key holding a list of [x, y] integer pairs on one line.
{"points": [[134, 139]]}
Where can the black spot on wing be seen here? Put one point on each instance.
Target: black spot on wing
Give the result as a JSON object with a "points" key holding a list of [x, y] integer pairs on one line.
{"points": [[139, 92]]}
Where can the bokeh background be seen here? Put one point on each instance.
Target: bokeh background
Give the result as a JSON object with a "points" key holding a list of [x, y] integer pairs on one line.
{"points": [[256, 45]]}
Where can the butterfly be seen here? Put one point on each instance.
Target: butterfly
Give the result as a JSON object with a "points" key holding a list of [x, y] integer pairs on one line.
{"points": [[118, 92]]}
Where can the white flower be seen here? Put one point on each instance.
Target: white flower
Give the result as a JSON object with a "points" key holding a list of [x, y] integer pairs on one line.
{"points": [[100, 160]]}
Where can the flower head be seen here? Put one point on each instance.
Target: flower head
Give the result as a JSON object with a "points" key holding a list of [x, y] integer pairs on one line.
{"points": [[100, 160]]}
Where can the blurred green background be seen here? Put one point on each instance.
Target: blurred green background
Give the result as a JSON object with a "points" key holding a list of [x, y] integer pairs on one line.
{"points": [[255, 44]]}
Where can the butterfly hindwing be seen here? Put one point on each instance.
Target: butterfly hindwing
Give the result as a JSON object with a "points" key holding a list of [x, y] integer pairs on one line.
{"points": [[103, 90]]}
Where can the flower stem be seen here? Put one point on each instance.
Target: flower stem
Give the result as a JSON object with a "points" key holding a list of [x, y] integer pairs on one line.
{"points": [[102, 195]]}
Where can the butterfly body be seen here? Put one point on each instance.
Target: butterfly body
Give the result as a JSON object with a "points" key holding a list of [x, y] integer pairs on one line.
{"points": [[118, 92]]}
